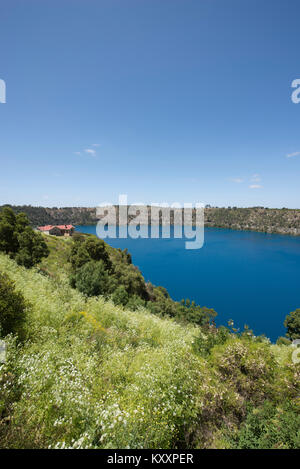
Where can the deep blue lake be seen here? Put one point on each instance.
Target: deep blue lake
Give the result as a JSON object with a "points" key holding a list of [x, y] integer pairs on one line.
{"points": [[251, 278]]}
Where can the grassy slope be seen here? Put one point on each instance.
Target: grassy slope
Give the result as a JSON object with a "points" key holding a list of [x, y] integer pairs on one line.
{"points": [[94, 375], [75, 370], [57, 261]]}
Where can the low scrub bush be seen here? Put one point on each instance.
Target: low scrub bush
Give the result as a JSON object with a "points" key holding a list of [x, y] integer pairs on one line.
{"points": [[270, 427], [246, 366]]}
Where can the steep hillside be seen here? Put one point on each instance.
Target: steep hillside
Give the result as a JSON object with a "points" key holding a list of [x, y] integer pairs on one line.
{"points": [[94, 374], [91, 374]]}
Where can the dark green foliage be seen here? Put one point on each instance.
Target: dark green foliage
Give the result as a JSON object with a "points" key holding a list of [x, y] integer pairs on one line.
{"points": [[292, 323], [131, 278], [162, 307], [203, 344], [185, 311], [19, 240], [92, 279], [32, 248], [117, 266], [21, 222], [127, 274], [12, 308], [85, 250], [126, 256], [163, 291], [135, 302], [8, 234], [200, 315], [270, 427], [160, 303], [120, 296]]}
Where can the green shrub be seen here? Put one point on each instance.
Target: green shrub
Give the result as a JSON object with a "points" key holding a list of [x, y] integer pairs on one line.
{"points": [[246, 366], [292, 323], [86, 250], [12, 308], [92, 279], [131, 278], [270, 427], [120, 296], [32, 248], [135, 302], [203, 344], [8, 234], [19, 240], [191, 312]]}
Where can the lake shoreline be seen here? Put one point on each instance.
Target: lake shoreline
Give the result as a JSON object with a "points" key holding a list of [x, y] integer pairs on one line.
{"points": [[255, 219]]}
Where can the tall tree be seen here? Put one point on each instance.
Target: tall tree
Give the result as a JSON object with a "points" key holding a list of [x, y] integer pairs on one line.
{"points": [[292, 323]]}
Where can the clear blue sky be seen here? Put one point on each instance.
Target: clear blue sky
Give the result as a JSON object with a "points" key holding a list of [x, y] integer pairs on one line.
{"points": [[175, 100]]}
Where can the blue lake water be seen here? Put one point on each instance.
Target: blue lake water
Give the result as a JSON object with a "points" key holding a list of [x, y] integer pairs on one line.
{"points": [[252, 278]]}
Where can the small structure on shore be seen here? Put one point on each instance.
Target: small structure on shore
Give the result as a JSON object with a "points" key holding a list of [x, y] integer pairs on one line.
{"points": [[57, 230]]}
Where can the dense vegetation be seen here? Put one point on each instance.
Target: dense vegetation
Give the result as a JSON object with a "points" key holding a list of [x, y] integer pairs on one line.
{"points": [[40, 216], [292, 323], [12, 308], [285, 221], [18, 239], [97, 358]]}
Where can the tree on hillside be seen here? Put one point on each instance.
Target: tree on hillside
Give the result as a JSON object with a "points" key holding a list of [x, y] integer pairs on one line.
{"points": [[12, 308], [86, 250], [8, 235], [21, 222], [32, 248], [191, 312], [292, 323], [92, 279], [19, 240], [120, 296]]}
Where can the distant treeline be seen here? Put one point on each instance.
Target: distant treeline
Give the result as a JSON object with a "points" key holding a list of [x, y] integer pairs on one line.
{"points": [[40, 216], [284, 221]]}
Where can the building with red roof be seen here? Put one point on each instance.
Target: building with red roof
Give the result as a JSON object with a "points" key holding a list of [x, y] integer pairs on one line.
{"points": [[57, 230]]}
